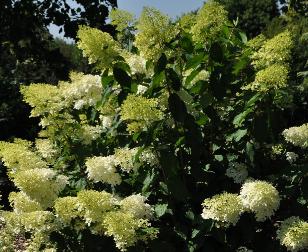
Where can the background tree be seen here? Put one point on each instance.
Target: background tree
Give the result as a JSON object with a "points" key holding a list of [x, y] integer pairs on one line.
{"points": [[29, 54], [253, 15]]}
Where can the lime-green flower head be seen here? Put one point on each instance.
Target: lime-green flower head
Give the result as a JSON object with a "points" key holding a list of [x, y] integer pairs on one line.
{"points": [[187, 21], [225, 208], [210, 20], [293, 233], [98, 46], [66, 208], [298, 136], [274, 51], [22, 203], [272, 78], [18, 156], [43, 98], [140, 112], [94, 205], [121, 19], [124, 227], [42, 185], [154, 30], [261, 198]]}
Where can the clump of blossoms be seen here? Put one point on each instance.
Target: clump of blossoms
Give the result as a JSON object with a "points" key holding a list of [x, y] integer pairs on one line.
{"points": [[148, 156], [121, 19], [238, 172], [273, 77], [84, 90], [291, 157], [18, 156], [66, 209], [293, 234], [43, 98], [124, 157], [94, 205], [140, 112], [22, 203], [103, 169], [89, 133], [98, 46], [46, 148], [38, 223], [123, 226], [271, 61], [298, 136], [274, 51], [42, 185], [261, 198], [137, 64], [154, 31], [210, 20], [135, 204], [225, 208]]}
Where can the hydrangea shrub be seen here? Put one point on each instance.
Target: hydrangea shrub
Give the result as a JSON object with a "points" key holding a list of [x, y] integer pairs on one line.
{"points": [[178, 142]]}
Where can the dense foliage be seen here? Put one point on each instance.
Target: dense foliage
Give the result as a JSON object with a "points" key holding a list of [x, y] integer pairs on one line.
{"points": [[191, 138]]}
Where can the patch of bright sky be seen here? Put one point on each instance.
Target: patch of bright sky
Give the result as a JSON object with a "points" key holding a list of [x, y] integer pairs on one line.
{"points": [[173, 8]]}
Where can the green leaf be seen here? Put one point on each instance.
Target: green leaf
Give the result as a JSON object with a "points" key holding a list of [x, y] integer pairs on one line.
{"points": [[173, 79], [240, 118], [106, 80], [238, 135], [186, 44], [177, 108], [243, 37], [160, 209], [203, 119], [195, 61], [161, 64], [216, 52], [122, 77]]}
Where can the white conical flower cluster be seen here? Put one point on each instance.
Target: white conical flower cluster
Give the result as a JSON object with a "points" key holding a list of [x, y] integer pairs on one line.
{"points": [[225, 208], [103, 169], [293, 233], [298, 136], [261, 198]]}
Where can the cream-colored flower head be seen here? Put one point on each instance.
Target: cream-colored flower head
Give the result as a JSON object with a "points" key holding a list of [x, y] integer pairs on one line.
{"points": [[124, 227], [18, 156], [225, 208], [94, 205], [103, 169], [83, 91], [298, 136], [135, 204], [293, 234], [261, 198]]}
